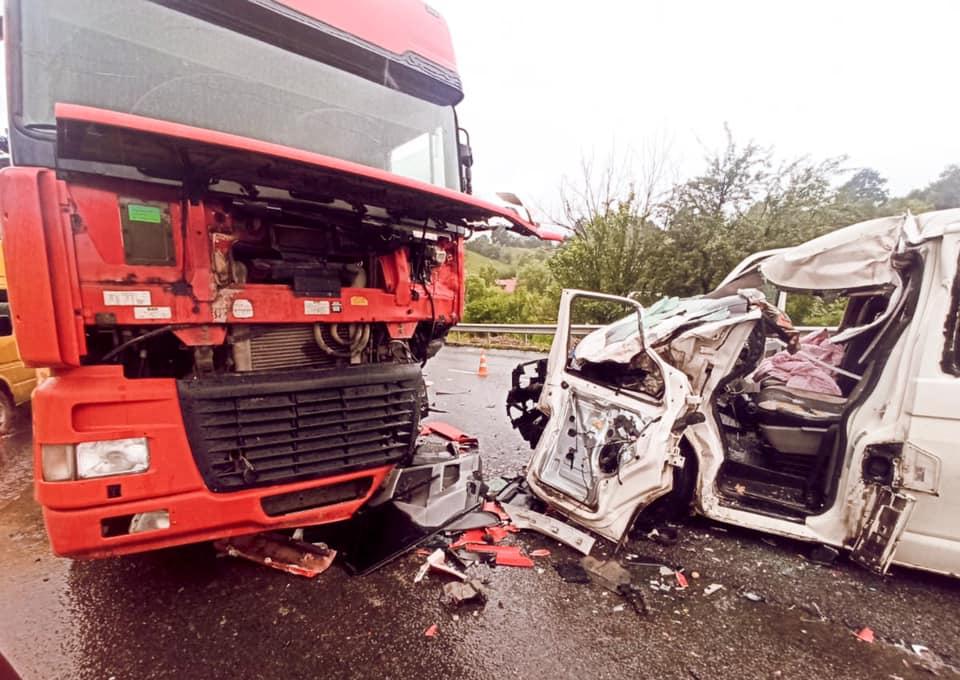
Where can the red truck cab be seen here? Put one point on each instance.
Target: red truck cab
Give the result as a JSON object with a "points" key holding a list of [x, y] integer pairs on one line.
{"points": [[234, 232]]}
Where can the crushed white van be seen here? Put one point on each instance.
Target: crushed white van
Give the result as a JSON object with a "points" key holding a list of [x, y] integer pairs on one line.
{"points": [[848, 438]]}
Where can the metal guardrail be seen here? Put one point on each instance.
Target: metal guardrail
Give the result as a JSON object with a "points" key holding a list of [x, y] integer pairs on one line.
{"points": [[520, 328], [579, 330]]}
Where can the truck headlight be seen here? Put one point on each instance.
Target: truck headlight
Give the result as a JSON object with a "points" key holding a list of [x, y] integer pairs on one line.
{"points": [[58, 462], [116, 457]]}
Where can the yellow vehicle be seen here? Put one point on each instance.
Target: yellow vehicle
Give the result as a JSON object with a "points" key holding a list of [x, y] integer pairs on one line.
{"points": [[16, 380]]}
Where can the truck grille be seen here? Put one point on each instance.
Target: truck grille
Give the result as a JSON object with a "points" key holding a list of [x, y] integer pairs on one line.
{"points": [[249, 430]]}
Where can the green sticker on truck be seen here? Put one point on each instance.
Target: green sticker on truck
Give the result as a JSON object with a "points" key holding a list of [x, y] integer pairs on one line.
{"points": [[144, 213]]}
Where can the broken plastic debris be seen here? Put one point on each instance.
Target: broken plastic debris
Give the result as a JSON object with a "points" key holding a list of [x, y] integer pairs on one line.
{"points": [[504, 555], [619, 608], [438, 562], [280, 552], [497, 534], [681, 580], [494, 507], [753, 597], [553, 528], [457, 592], [540, 552], [712, 588], [865, 634], [472, 536], [431, 631], [666, 571], [608, 574], [449, 432]]}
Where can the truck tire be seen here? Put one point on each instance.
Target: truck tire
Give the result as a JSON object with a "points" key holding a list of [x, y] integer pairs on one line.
{"points": [[7, 413]]}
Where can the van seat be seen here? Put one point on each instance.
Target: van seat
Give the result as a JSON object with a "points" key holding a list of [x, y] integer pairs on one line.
{"points": [[794, 421]]}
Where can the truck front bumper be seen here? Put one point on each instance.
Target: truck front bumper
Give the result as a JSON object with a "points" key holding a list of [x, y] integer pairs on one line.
{"points": [[100, 517]]}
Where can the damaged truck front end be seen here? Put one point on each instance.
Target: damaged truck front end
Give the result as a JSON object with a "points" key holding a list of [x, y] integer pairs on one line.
{"points": [[719, 406], [235, 239]]}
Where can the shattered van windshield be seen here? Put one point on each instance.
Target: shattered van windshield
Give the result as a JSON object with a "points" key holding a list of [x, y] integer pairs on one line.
{"points": [[138, 57]]}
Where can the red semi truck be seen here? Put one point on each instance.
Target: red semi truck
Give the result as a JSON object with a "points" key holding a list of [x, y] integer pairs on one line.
{"points": [[234, 232]]}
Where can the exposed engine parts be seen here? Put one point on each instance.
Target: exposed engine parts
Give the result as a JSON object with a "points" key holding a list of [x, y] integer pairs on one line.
{"points": [[335, 291]]}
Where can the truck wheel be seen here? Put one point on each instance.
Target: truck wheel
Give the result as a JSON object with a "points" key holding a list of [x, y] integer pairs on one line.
{"points": [[7, 413]]}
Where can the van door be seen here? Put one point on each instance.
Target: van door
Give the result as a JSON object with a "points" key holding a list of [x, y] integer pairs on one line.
{"points": [[609, 448], [928, 466]]}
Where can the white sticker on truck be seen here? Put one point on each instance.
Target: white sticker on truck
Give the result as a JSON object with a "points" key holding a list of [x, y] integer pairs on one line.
{"points": [[151, 313], [126, 298], [242, 309], [314, 307]]}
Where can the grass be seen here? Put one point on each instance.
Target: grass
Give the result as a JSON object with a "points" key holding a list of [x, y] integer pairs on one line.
{"points": [[475, 261]]}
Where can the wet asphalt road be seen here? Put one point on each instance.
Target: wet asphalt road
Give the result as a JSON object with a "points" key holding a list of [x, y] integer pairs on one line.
{"points": [[185, 613]]}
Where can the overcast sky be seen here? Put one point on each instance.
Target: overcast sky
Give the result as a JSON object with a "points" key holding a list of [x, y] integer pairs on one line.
{"points": [[547, 81]]}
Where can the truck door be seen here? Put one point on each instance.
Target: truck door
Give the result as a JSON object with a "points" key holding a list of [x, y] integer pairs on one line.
{"points": [[610, 447]]}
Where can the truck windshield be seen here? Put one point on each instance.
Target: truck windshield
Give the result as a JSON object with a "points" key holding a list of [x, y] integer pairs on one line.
{"points": [[135, 56]]}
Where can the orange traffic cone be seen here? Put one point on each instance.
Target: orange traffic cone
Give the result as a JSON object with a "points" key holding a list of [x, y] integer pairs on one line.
{"points": [[482, 369]]}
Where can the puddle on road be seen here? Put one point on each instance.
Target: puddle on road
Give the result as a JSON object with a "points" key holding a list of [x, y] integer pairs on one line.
{"points": [[16, 465]]}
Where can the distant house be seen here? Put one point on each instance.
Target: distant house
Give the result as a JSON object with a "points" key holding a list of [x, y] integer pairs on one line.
{"points": [[507, 285]]}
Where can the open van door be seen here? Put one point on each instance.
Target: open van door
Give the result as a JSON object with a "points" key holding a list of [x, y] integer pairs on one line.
{"points": [[611, 445]]}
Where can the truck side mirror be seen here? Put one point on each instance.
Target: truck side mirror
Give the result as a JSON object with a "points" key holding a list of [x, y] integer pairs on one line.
{"points": [[465, 153]]}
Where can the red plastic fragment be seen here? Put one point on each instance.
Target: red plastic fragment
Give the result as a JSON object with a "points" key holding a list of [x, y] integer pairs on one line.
{"points": [[448, 432], [865, 634], [505, 555], [681, 579], [431, 631], [497, 534], [494, 507], [469, 536], [540, 552]]}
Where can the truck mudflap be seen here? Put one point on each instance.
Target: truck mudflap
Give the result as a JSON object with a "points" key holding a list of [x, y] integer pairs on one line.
{"points": [[877, 542]]}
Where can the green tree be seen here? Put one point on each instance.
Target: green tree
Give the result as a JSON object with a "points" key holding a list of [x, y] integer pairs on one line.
{"points": [[944, 192]]}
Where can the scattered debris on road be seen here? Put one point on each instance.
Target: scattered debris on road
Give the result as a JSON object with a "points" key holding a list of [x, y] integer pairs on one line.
{"points": [[572, 572], [712, 588], [457, 593], [550, 527], [279, 552], [608, 574], [448, 432]]}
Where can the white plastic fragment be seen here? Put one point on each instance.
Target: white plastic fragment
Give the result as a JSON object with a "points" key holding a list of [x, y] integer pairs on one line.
{"points": [[712, 588]]}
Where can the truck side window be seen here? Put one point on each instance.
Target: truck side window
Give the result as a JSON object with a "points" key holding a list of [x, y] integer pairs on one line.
{"points": [[6, 324], [951, 330]]}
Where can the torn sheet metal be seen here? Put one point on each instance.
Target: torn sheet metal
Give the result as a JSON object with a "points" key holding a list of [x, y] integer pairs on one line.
{"points": [[548, 526], [620, 342], [279, 552], [857, 257]]}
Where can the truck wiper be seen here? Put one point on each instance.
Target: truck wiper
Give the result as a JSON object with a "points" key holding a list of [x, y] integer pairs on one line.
{"points": [[41, 126]]}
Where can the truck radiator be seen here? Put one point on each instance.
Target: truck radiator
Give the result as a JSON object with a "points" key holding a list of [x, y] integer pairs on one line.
{"points": [[272, 347], [249, 430]]}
